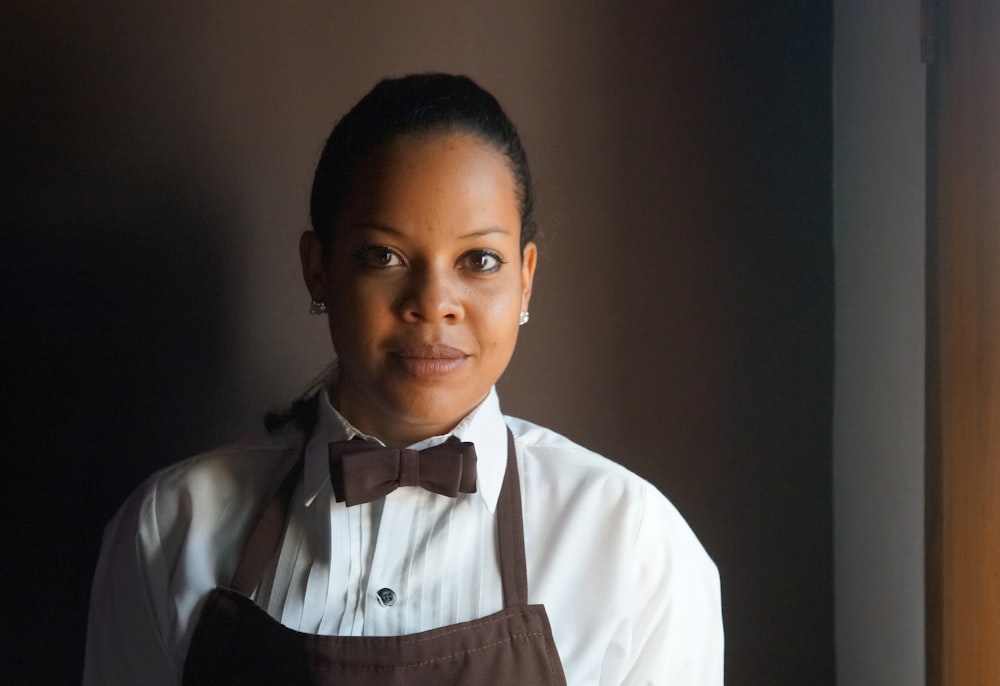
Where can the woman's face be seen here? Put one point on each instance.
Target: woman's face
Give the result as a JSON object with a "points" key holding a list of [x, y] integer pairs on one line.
{"points": [[424, 283]]}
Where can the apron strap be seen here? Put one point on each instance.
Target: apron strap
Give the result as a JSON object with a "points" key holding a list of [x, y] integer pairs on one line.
{"points": [[510, 534], [262, 546]]}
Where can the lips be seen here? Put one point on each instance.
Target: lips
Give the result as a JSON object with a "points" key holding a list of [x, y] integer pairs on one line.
{"points": [[425, 361]]}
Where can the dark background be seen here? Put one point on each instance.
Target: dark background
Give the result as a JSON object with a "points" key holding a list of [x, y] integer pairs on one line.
{"points": [[156, 164]]}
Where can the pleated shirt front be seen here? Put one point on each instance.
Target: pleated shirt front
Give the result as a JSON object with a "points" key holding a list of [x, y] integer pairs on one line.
{"points": [[631, 595]]}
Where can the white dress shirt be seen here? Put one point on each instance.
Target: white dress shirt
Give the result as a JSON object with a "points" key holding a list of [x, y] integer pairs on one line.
{"points": [[631, 595]]}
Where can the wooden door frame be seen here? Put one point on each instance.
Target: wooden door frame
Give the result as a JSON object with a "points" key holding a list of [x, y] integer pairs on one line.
{"points": [[963, 346]]}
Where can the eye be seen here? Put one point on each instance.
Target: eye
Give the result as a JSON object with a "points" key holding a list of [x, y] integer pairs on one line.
{"points": [[378, 257], [482, 261]]}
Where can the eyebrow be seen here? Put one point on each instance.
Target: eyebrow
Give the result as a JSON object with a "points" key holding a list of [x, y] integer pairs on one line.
{"points": [[478, 233]]}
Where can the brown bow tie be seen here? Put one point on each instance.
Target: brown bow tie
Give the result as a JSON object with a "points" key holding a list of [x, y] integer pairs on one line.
{"points": [[361, 471]]}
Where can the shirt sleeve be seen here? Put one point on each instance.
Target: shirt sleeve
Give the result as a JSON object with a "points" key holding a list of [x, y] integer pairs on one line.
{"points": [[126, 629], [677, 635]]}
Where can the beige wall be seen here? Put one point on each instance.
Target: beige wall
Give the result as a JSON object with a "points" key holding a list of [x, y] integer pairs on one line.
{"points": [[682, 322]]}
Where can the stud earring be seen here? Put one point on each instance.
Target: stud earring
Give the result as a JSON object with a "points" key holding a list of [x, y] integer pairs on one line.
{"points": [[524, 317], [317, 307]]}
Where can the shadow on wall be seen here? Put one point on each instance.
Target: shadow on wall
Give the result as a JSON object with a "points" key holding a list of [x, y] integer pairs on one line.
{"points": [[114, 277]]}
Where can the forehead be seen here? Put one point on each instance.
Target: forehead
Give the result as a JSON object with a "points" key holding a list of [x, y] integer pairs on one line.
{"points": [[439, 176]]}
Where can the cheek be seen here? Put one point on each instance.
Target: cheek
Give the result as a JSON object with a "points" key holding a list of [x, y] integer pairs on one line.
{"points": [[499, 315], [359, 299], [357, 313], [499, 311]]}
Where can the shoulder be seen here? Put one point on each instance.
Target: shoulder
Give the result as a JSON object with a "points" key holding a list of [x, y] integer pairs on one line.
{"points": [[547, 454], [546, 444], [208, 480], [198, 502], [581, 487], [225, 469]]}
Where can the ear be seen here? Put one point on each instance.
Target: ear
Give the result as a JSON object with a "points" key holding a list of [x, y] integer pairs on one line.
{"points": [[311, 254], [529, 255]]}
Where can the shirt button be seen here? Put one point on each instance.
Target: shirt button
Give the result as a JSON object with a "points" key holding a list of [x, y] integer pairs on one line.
{"points": [[386, 597]]}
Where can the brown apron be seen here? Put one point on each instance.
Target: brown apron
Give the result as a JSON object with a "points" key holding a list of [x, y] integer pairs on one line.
{"points": [[237, 642]]}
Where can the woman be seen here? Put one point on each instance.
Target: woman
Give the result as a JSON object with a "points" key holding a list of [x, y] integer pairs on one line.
{"points": [[502, 553]]}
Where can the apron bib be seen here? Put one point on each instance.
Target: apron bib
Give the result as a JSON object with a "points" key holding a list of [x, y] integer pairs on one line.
{"points": [[237, 642]]}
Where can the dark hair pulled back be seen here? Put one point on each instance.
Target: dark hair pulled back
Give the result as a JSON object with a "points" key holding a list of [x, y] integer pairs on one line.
{"points": [[415, 104]]}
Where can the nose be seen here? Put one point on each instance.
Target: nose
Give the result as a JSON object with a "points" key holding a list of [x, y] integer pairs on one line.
{"points": [[432, 294]]}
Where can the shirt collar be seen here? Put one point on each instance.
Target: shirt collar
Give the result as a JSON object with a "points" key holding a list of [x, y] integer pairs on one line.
{"points": [[484, 426]]}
